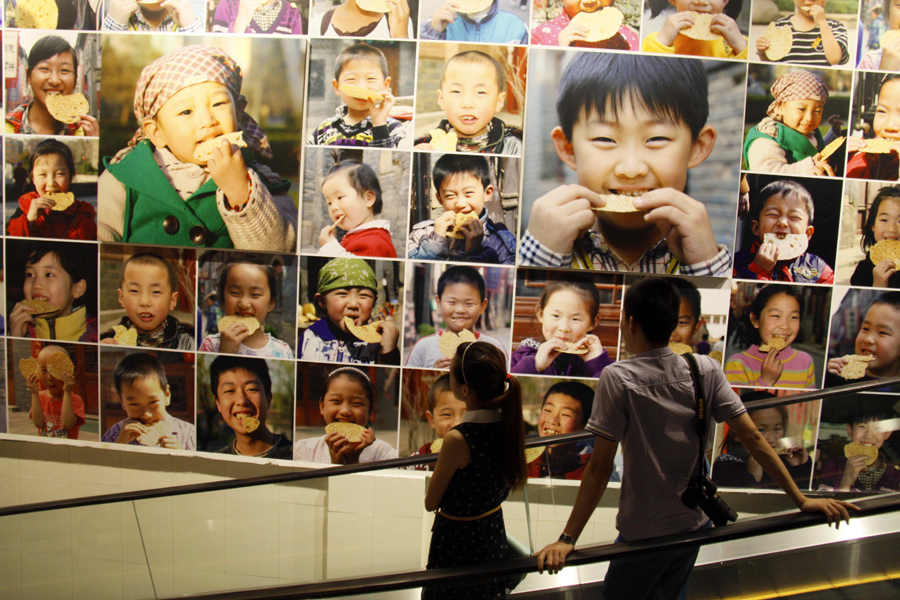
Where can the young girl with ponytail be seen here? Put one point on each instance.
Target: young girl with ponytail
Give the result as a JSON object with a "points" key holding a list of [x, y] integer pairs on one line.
{"points": [[481, 460]]}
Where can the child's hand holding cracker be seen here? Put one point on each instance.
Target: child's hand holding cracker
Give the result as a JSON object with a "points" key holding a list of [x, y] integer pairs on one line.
{"points": [[19, 319], [855, 466], [32, 382], [672, 27], [444, 223], [822, 167], [327, 234], [443, 16], [771, 369], [562, 216], [882, 272], [762, 44], [389, 335], [593, 344], [231, 338], [728, 28], [345, 452], [181, 11], [890, 55], [380, 111], [473, 231], [573, 32], [90, 125], [547, 353], [836, 365], [229, 171], [683, 221], [68, 380], [37, 205], [167, 441], [766, 256], [121, 10], [131, 431], [398, 18]]}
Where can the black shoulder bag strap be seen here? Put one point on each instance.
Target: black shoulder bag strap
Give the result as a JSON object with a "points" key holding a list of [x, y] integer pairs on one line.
{"points": [[701, 408]]}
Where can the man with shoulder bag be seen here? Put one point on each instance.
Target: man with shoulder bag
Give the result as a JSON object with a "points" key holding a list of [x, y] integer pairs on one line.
{"points": [[659, 406]]}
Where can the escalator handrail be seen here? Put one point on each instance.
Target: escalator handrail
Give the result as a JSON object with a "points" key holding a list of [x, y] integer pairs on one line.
{"points": [[229, 484], [744, 528]]}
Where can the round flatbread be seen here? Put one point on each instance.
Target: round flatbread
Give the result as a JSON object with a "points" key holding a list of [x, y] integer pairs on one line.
{"points": [[885, 250], [436, 445], [532, 454], [125, 336], [203, 152], [601, 24], [777, 343], [250, 322], [470, 7], [366, 333], [461, 219], [69, 108], [28, 366], [36, 14], [700, 29], [790, 246], [780, 41], [40, 305], [62, 200], [854, 449], [59, 364], [351, 431], [679, 348], [572, 349], [153, 434], [376, 6], [856, 368], [832, 147], [716, 355], [878, 146], [249, 423], [745, 186], [890, 37], [450, 341], [617, 203], [443, 141], [361, 93]]}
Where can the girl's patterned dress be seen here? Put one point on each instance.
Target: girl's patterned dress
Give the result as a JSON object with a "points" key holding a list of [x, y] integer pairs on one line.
{"points": [[474, 490]]}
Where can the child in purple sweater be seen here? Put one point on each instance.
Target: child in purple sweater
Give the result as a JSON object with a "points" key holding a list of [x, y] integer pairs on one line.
{"points": [[257, 16], [568, 312]]}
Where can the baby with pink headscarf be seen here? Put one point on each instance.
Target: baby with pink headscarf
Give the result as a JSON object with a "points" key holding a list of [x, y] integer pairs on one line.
{"points": [[788, 139], [164, 189]]}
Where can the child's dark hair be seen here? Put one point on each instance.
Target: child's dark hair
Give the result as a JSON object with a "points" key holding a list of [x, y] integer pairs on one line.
{"points": [[137, 367], [577, 390], [595, 83], [580, 286], [47, 47], [475, 57], [688, 291], [224, 364], [152, 259], [360, 51], [786, 189], [889, 298], [449, 165], [361, 177], [460, 274], [482, 368], [653, 302], [267, 269], [867, 415], [888, 192], [768, 292], [356, 375], [49, 147], [440, 385], [77, 260]]}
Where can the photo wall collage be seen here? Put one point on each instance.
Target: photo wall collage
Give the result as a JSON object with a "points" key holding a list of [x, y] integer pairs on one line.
{"points": [[276, 218]]}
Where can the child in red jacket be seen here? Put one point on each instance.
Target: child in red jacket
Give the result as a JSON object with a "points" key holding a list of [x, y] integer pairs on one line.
{"points": [[353, 194], [39, 214]]}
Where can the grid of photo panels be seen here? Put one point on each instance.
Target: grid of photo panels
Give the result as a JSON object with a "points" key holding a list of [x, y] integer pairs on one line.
{"points": [[277, 215]]}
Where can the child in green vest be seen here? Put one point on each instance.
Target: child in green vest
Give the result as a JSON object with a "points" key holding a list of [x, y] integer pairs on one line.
{"points": [[788, 139], [163, 189]]}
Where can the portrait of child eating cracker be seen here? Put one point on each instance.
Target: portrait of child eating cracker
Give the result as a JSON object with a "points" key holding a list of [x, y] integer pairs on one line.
{"points": [[567, 29], [700, 28], [816, 40], [348, 401], [144, 393], [184, 101], [56, 411]]}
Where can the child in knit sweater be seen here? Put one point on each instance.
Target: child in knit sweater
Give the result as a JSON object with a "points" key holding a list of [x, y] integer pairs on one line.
{"points": [[775, 314]]}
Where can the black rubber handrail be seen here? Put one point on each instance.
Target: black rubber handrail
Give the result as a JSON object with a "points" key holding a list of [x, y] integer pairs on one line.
{"points": [[308, 474], [744, 528]]}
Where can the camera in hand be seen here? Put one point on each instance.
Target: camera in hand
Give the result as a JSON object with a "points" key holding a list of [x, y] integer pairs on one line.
{"points": [[701, 492]]}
